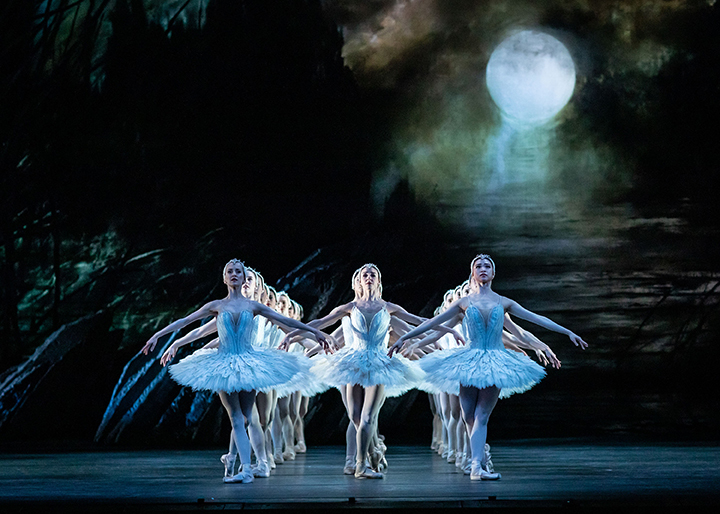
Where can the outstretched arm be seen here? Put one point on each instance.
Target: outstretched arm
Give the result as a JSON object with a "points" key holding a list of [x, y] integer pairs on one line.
{"points": [[516, 309], [338, 342], [525, 339], [330, 319], [438, 320], [207, 329], [402, 314], [209, 309], [273, 316]]}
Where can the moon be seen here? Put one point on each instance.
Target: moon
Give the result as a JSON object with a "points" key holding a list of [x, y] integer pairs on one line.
{"points": [[531, 77]]}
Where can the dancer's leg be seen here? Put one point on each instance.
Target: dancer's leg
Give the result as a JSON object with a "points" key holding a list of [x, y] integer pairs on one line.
{"points": [[477, 405], [262, 400], [236, 409], [373, 397], [436, 419], [301, 447], [350, 435], [455, 426], [264, 404], [451, 427], [276, 433], [377, 447], [444, 404], [229, 458], [295, 400], [255, 432], [286, 426]]}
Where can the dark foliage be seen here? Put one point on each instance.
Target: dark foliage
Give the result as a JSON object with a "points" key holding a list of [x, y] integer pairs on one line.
{"points": [[251, 122]]}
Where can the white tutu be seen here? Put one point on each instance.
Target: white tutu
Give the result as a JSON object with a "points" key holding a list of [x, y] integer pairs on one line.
{"points": [[238, 366], [484, 362], [364, 361]]}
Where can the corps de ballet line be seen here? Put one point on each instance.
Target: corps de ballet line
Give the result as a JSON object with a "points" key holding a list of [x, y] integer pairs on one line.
{"points": [[265, 364]]}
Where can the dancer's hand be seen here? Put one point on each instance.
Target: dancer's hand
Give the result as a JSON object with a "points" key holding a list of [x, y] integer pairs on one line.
{"points": [[168, 355], [150, 345], [324, 340], [409, 351], [577, 340], [547, 356], [395, 348], [458, 337], [284, 344]]}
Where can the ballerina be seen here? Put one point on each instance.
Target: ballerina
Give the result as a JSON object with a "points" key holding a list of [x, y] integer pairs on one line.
{"points": [[261, 329], [362, 367], [300, 400], [235, 369], [283, 420], [483, 371]]}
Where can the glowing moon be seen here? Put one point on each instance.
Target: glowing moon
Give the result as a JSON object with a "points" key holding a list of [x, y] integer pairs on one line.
{"points": [[531, 77]]}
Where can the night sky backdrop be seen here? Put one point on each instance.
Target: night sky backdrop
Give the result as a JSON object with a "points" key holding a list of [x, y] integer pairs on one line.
{"points": [[145, 143]]}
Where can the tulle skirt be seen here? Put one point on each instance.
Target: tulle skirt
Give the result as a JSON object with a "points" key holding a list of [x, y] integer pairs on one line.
{"points": [[307, 382], [368, 368], [257, 369], [510, 371]]}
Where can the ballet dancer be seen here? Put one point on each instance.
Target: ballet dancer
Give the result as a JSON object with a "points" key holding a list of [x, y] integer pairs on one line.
{"points": [[363, 366], [235, 369], [484, 370]]}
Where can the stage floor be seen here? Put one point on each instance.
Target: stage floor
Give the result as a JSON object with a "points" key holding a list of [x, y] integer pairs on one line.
{"points": [[534, 475]]}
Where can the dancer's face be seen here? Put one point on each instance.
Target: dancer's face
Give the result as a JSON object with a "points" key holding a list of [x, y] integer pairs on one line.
{"points": [[282, 305], [465, 290], [483, 271], [457, 294], [235, 275], [248, 288], [357, 287], [271, 299], [369, 279]]}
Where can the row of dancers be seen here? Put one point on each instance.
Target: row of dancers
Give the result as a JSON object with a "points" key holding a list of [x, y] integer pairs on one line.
{"points": [[462, 356], [275, 429], [449, 432]]}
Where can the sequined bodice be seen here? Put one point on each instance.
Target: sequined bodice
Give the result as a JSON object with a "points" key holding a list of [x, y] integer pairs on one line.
{"points": [[484, 334], [235, 331], [372, 337]]}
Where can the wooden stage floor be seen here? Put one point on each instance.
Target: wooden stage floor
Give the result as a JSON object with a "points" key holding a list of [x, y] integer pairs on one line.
{"points": [[539, 475]]}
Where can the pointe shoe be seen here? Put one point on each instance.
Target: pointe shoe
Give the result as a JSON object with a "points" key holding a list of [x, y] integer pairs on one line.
{"points": [[244, 476], [278, 457], [445, 453], [229, 463], [289, 454], [383, 466], [375, 457], [467, 469], [488, 459], [478, 473], [440, 448], [349, 468], [300, 447], [460, 460], [262, 470], [451, 456], [363, 471], [271, 461]]}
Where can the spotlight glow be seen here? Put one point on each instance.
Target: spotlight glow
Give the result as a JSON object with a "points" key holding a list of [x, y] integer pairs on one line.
{"points": [[531, 77]]}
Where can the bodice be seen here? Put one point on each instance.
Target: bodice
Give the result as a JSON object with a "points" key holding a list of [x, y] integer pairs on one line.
{"points": [[235, 331], [484, 334], [373, 336]]}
